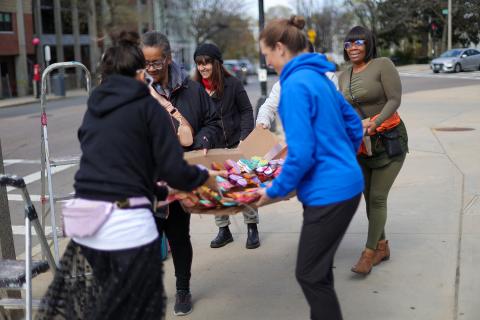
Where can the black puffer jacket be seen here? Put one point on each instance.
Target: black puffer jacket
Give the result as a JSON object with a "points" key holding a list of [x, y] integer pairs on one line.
{"points": [[235, 112], [195, 105], [128, 144]]}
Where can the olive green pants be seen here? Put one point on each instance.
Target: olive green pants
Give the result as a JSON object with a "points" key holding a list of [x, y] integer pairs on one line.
{"points": [[378, 182]]}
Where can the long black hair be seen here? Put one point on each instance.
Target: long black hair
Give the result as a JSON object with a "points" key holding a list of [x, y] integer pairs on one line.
{"points": [[124, 57]]}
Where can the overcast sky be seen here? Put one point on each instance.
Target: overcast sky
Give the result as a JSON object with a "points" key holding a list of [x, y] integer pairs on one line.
{"points": [[253, 5]]}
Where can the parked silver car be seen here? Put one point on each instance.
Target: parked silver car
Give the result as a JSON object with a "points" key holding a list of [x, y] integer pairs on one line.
{"points": [[236, 69], [457, 60]]}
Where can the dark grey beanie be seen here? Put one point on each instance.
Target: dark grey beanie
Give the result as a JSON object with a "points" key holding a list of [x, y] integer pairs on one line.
{"points": [[210, 50]]}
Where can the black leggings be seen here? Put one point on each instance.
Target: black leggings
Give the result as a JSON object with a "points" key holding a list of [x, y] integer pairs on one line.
{"points": [[177, 230], [323, 229]]}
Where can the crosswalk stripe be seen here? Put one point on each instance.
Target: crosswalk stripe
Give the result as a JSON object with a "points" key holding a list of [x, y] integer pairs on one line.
{"points": [[9, 162], [20, 230], [37, 175], [18, 197]]}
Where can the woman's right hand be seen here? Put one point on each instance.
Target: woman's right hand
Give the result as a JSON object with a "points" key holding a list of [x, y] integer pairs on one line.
{"points": [[212, 178]]}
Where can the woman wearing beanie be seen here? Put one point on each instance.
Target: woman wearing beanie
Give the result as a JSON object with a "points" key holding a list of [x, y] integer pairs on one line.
{"points": [[236, 119], [323, 134]]}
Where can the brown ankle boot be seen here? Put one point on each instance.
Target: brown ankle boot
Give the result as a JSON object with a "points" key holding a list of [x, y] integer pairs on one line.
{"points": [[365, 263], [382, 253]]}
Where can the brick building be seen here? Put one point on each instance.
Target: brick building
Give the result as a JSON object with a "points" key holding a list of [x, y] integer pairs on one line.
{"points": [[16, 49]]}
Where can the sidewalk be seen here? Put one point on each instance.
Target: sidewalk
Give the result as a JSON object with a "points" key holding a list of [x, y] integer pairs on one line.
{"points": [[14, 102], [414, 68], [433, 228]]}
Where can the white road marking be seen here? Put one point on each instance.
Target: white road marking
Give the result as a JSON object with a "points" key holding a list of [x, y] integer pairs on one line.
{"points": [[426, 74], [20, 230], [9, 162], [18, 197], [37, 175]]}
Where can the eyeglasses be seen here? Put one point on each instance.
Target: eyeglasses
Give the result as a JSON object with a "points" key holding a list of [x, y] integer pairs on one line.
{"points": [[357, 43], [157, 65]]}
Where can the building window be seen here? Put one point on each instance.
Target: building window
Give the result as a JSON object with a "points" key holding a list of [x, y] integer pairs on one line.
{"points": [[6, 21]]}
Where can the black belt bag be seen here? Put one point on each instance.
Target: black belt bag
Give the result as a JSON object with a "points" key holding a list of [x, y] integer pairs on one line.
{"points": [[391, 142]]}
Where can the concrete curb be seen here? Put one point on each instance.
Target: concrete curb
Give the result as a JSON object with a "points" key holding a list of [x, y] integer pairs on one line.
{"points": [[16, 102]]}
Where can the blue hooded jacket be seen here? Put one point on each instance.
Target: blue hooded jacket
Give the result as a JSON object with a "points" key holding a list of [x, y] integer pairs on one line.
{"points": [[323, 134]]}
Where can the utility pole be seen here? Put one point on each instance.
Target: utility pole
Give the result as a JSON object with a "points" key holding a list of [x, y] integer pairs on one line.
{"points": [[76, 42], [449, 24], [92, 33], [262, 72]]}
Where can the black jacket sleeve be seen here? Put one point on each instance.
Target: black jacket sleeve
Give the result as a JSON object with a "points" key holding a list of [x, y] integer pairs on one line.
{"points": [[206, 137], [245, 110], [168, 154]]}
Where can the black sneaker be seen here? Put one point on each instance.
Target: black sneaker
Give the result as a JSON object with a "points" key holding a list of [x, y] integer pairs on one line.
{"points": [[183, 303]]}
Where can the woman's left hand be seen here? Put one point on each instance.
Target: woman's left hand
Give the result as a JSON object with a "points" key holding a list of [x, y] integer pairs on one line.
{"points": [[264, 198], [371, 127]]}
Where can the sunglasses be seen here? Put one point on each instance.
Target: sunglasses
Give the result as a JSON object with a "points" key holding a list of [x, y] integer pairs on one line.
{"points": [[356, 43]]}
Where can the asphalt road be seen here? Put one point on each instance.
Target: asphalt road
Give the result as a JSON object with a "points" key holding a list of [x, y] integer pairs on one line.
{"points": [[20, 135]]}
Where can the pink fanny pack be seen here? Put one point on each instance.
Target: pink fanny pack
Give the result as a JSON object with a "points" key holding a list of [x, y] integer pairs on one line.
{"points": [[83, 218]]}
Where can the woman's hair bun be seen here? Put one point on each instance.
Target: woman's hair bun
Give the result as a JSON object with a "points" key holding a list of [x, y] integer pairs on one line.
{"points": [[297, 21], [127, 38]]}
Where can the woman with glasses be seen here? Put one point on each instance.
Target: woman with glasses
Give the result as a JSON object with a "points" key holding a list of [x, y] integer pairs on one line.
{"points": [[236, 118], [372, 85], [172, 83]]}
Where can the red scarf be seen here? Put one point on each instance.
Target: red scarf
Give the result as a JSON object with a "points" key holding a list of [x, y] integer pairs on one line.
{"points": [[207, 84]]}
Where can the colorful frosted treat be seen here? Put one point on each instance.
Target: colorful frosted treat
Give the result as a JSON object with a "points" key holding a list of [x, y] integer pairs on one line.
{"points": [[223, 184], [207, 203], [268, 171], [232, 167], [217, 166], [238, 180]]}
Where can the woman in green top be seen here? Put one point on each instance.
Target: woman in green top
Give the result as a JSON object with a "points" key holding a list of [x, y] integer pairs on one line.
{"points": [[372, 85]]}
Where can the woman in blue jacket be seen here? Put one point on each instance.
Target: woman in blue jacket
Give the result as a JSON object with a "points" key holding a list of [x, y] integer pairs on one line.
{"points": [[323, 134]]}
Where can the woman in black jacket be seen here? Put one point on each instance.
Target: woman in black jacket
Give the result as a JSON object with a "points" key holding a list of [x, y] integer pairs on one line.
{"points": [[172, 83], [236, 114], [127, 146]]}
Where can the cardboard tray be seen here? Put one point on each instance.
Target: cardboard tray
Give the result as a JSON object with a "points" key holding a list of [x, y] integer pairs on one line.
{"points": [[234, 210], [260, 142]]}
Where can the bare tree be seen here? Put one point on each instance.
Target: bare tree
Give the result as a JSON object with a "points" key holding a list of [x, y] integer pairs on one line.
{"points": [[210, 17], [277, 12]]}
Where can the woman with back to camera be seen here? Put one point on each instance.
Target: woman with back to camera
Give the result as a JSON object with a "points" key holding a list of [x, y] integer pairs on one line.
{"points": [[127, 146], [197, 110], [323, 133], [372, 85], [236, 118]]}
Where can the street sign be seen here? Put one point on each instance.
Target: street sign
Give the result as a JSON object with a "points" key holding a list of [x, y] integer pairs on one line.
{"points": [[262, 75], [445, 12], [48, 55], [311, 35]]}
